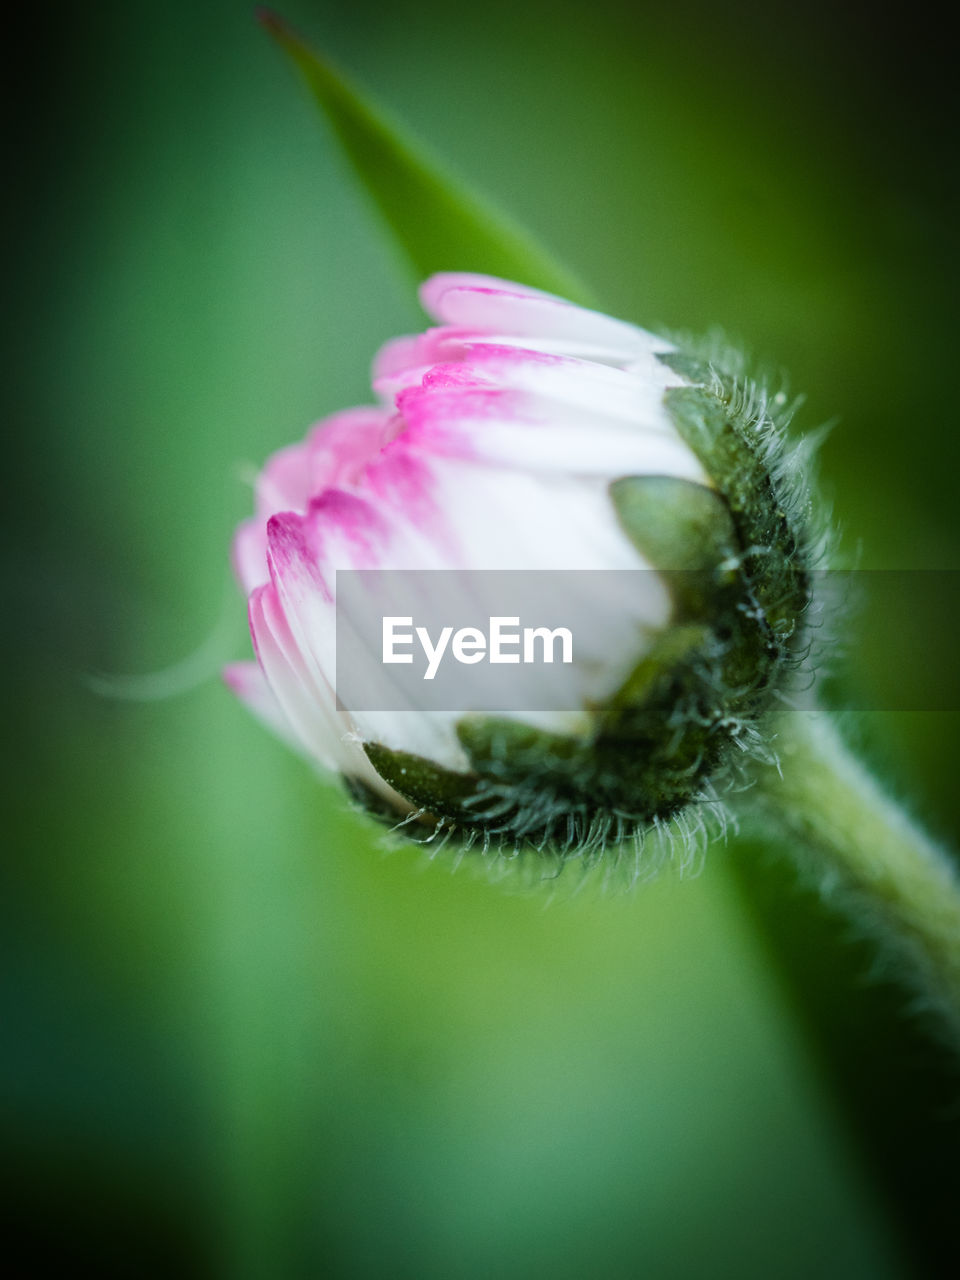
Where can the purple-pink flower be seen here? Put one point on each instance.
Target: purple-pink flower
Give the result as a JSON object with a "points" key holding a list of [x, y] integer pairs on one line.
{"points": [[493, 445]]}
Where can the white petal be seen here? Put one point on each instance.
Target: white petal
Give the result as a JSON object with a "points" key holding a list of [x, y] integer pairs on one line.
{"points": [[498, 307], [248, 682]]}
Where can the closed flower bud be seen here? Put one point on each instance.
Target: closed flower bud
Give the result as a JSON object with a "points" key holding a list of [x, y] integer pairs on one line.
{"points": [[525, 433]]}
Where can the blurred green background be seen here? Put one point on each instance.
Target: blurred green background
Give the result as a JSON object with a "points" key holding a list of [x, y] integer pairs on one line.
{"points": [[241, 1039]]}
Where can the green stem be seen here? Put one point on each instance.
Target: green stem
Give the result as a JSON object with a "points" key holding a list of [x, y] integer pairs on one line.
{"points": [[856, 841]]}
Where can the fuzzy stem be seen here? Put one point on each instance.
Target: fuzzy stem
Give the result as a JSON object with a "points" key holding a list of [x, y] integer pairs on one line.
{"points": [[854, 839]]}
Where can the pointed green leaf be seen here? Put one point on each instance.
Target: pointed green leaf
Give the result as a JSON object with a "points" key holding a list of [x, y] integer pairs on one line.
{"points": [[440, 223]]}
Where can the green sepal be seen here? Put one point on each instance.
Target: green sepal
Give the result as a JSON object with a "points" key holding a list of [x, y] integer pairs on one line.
{"points": [[654, 677], [741, 453], [427, 785], [706, 424], [685, 531], [688, 366], [497, 746], [439, 222], [673, 523]]}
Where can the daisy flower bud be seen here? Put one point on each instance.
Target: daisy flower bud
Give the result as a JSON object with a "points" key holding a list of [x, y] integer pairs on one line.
{"points": [[526, 433]]}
